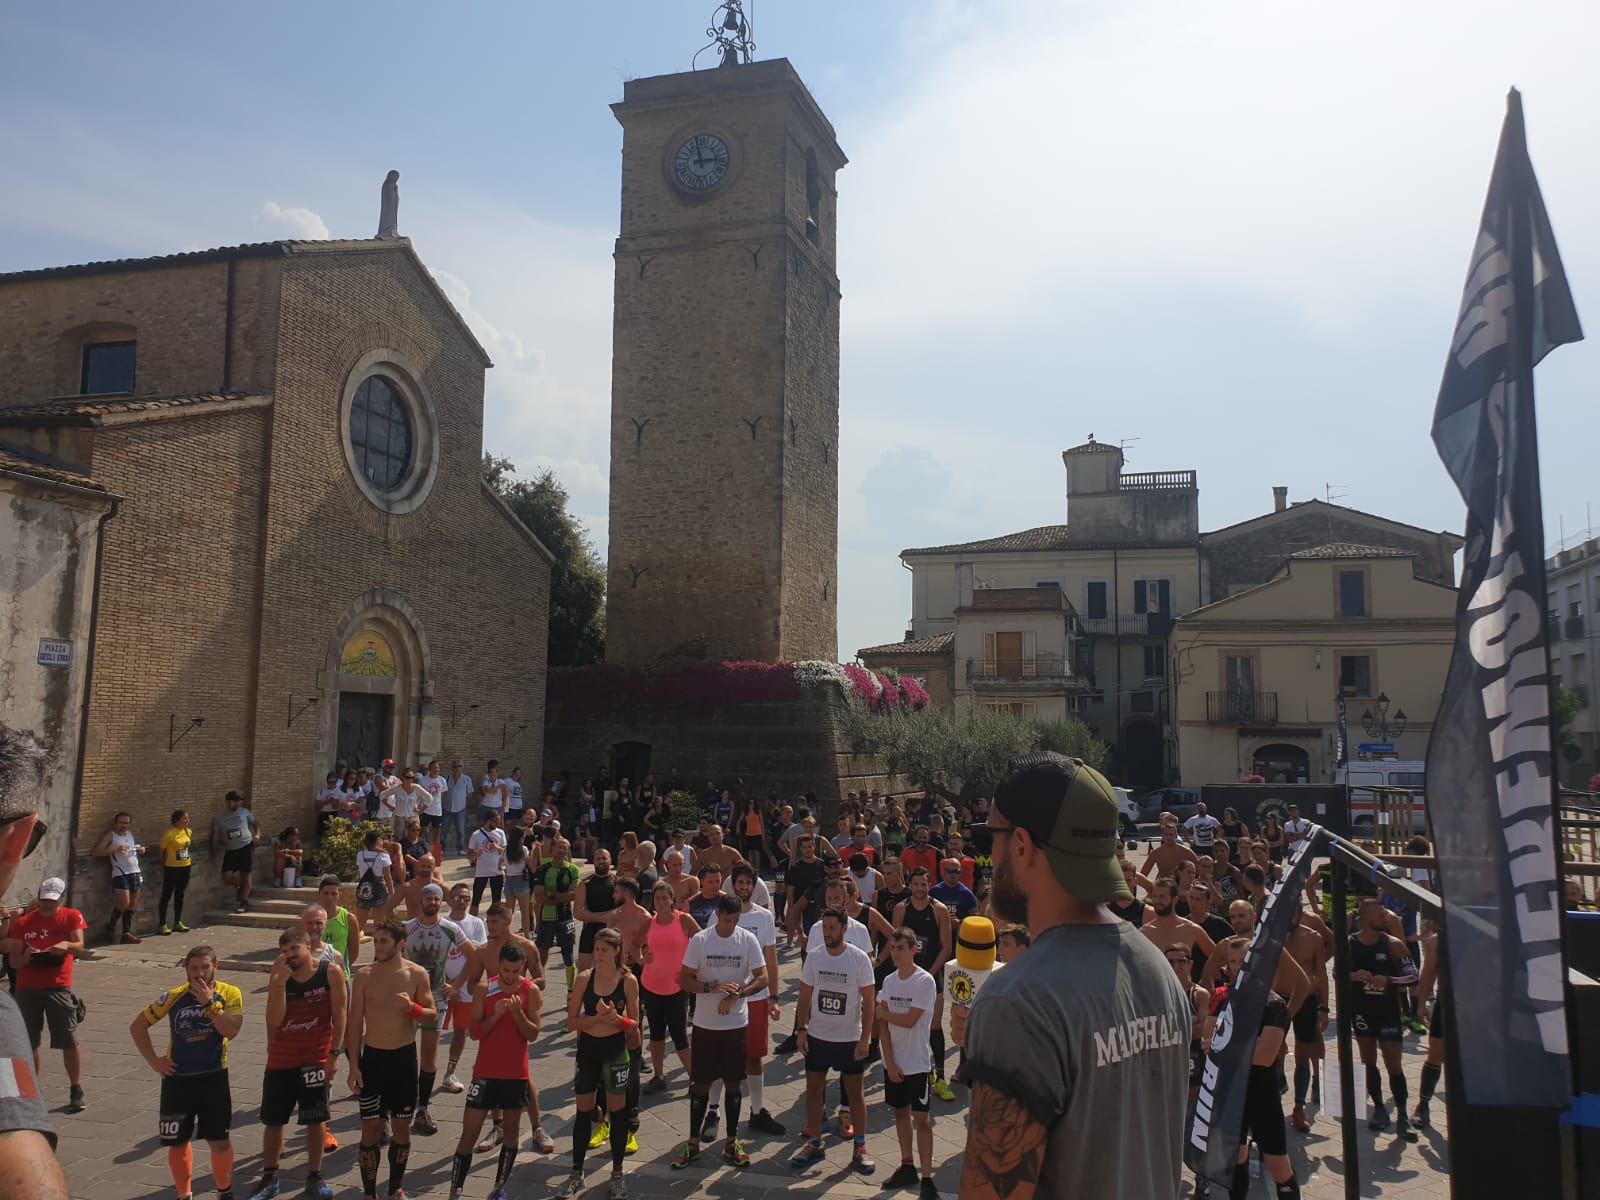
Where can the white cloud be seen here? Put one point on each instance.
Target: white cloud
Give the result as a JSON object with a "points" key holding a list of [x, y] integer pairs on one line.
{"points": [[296, 222]]}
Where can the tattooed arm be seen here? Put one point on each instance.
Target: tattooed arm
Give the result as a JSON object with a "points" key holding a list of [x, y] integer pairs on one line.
{"points": [[1005, 1148]]}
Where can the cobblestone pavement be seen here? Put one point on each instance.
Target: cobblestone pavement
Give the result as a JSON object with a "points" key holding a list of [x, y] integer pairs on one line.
{"points": [[110, 1151]]}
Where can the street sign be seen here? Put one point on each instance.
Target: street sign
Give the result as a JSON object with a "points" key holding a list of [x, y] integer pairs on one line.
{"points": [[1376, 747], [53, 653]]}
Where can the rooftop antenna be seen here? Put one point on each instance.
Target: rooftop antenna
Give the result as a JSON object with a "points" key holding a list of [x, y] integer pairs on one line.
{"points": [[1124, 444], [1333, 491], [730, 35]]}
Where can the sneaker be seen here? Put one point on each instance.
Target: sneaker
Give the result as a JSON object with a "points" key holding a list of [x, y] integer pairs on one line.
{"points": [[905, 1176], [498, 1193], [1403, 1127], [131, 939], [632, 1145], [396, 1194], [861, 1162], [943, 1090], [75, 1101], [762, 1122], [329, 1142], [572, 1187], [619, 1188], [543, 1143], [787, 1046], [647, 1067], [181, 927], [165, 931], [317, 1188], [240, 909], [1414, 1025], [488, 1141], [809, 1152], [267, 1191], [225, 1195], [452, 1084], [734, 1154], [928, 1190], [686, 1154], [423, 1123], [600, 1136], [1299, 1120], [1378, 1119], [840, 1124], [657, 1084], [1420, 1118], [710, 1127]]}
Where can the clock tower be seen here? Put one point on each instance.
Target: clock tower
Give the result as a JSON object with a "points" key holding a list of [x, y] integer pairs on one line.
{"points": [[725, 372]]}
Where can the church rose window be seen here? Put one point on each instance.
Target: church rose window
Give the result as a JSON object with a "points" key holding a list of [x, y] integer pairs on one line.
{"points": [[380, 433]]}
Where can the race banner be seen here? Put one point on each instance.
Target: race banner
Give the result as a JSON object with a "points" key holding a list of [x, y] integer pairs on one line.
{"points": [[1212, 1147], [1492, 774]]}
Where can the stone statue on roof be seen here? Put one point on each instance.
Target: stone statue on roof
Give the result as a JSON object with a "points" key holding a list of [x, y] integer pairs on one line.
{"points": [[389, 210]]}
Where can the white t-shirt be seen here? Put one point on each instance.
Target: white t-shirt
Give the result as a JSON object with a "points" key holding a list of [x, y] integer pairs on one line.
{"points": [[477, 933], [1296, 830], [855, 934], [513, 793], [490, 794], [407, 801], [759, 893], [490, 847], [836, 981], [866, 885], [328, 799], [912, 1052], [375, 861], [1203, 830], [759, 922], [433, 803], [717, 959]]}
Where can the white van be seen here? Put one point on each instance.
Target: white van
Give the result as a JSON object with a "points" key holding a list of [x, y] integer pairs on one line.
{"points": [[1362, 776]]}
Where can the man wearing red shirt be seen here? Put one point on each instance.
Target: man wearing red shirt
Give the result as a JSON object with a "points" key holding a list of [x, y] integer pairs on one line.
{"points": [[44, 942], [921, 853]]}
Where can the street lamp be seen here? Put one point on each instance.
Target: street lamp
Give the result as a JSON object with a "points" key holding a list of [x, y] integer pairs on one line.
{"points": [[1380, 728]]}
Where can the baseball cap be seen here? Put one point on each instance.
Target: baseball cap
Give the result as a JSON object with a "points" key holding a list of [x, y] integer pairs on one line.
{"points": [[1069, 809], [388, 762], [433, 889], [53, 888]]}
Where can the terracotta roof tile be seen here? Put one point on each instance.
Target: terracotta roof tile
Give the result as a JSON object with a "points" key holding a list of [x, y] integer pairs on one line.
{"points": [[1350, 550], [22, 463], [939, 643], [89, 410]]}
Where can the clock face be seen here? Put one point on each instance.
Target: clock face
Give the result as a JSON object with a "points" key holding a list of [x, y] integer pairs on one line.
{"points": [[701, 163]]}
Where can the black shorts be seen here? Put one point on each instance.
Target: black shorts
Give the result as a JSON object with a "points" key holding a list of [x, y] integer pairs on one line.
{"points": [[191, 1100], [666, 1015], [1305, 1021], [717, 1054], [388, 1083], [1263, 1113], [587, 937], [605, 1066], [127, 883], [1379, 1022], [434, 822], [55, 1007], [240, 861], [284, 1089], [823, 1057], [913, 1091], [1439, 1020], [553, 930], [508, 1095]]}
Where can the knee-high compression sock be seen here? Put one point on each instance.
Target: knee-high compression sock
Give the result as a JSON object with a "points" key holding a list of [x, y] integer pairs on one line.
{"points": [[1289, 1189], [1430, 1080], [936, 1040], [1241, 1182], [180, 1161], [368, 1157], [619, 1139], [459, 1169], [1302, 1083], [508, 1160], [697, 1114], [222, 1167], [399, 1155], [582, 1127], [1397, 1085], [127, 921], [425, 1087], [1374, 1084], [734, 1103]]}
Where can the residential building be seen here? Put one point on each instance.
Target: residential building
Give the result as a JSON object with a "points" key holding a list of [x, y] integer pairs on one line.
{"points": [[1572, 582], [1260, 673]]}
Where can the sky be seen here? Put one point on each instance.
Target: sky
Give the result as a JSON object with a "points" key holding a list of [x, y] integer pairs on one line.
{"points": [[1232, 236]]}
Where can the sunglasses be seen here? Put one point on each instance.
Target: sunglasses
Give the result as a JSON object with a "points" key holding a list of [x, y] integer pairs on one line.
{"points": [[34, 838]]}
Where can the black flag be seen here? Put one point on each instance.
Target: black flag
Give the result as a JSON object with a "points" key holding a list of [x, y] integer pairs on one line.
{"points": [[1491, 777], [1215, 1125]]}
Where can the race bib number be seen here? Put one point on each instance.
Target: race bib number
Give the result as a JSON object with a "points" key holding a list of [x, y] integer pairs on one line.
{"points": [[238, 836], [183, 855], [475, 1092], [314, 1076], [620, 1070], [922, 943], [831, 1004], [169, 1127]]}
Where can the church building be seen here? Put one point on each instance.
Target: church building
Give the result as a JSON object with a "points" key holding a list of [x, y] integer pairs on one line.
{"points": [[280, 552]]}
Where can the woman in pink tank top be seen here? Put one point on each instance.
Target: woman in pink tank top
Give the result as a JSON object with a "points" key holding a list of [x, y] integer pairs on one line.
{"points": [[664, 1003]]}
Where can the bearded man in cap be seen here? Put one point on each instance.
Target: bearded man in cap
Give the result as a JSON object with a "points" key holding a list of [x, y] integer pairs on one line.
{"points": [[1078, 1053]]}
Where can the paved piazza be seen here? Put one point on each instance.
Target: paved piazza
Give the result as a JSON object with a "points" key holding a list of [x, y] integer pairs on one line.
{"points": [[109, 1151]]}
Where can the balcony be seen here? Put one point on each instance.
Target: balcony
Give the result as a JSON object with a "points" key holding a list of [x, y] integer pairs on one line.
{"points": [[1158, 480], [1046, 669], [1242, 708], [1137, 625]]}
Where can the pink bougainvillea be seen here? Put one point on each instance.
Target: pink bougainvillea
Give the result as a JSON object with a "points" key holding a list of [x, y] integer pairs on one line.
{"points": [[913, 693], [868, 688]]}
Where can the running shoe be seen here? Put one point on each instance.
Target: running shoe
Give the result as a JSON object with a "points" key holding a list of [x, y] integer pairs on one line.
{"points": [[317, 1188], [658, 1084], [734, 1154], [75, 1101], [1299, 1120], [240, 909], [423, 1123], [943, 1090], [1403, 1127], [1414, 1025], [267, 1191], [905, 1176], [810, 1152], [710, 1127], [762, 1122], [840, 1124], [452, 1084], [928, 1190], [165, 931], [686, 1154], [498, 1193], [329, 1142], [601, 1135], [572, 1187], [543, 1143], [488, 1141], [131, 939], [862, 1162], [619, 1188], [1420, 1118], [1378, 1119], [181, 927], [632, 1145]]}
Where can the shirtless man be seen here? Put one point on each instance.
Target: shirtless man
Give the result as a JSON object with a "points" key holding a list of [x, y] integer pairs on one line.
{"points": [[1163, 925], [632, 921], [1165, 857], [392, 997], [1288, 978], [410, 893], [1305, 945], [684, 885]]}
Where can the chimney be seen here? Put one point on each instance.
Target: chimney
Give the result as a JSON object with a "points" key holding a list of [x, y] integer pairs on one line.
{"points": [[1280, 499]]}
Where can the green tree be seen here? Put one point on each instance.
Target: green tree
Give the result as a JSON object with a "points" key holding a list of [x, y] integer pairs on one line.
{"points": [[1564, 706], [962, 754], [577, 577]]}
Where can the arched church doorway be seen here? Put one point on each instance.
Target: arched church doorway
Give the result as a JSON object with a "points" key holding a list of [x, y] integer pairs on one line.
{"points": [[1280, 762], [376, 687]]}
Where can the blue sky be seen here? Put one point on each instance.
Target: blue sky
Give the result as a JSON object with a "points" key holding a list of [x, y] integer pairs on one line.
{"points": [[1235, 232]]}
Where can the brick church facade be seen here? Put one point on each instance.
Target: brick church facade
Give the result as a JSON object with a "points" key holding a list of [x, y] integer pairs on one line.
{"points": [[304, 564]]}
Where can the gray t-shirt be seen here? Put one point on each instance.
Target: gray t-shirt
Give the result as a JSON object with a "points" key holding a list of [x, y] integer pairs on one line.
{"points": [[233, 828], [20, 1103], [1089, 1031]]}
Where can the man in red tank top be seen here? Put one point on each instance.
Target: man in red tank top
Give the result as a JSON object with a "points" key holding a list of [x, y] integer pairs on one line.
{"points": [[305, 1017], [505, 1018]]}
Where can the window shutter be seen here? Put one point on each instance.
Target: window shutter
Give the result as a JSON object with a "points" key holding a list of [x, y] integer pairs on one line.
{"points": [[1139, 596]]}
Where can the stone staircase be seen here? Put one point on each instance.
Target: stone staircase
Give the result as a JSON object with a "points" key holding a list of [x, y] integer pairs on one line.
{"points": [[274, 908]]}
